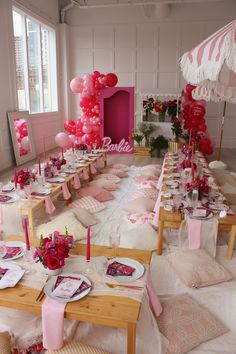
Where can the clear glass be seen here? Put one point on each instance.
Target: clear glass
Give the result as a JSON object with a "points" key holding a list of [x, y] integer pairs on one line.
{"points": [[114, 240], [194, 198]]}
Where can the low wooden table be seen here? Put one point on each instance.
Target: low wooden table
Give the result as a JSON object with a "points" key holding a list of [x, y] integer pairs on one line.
{"points": [[111, 311]]}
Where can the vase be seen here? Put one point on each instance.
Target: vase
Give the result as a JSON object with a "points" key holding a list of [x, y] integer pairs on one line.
{"points": [[148, 115], [162, 116], [53, 271]]}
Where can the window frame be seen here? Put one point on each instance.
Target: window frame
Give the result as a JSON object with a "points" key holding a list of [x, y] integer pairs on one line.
{"points": [[53, 66]]}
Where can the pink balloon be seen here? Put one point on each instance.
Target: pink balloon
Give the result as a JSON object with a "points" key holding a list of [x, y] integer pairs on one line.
{"points": [[61, 139], [25, 143], [95, 128], [76, 85], [72, 138], [87, 129]]}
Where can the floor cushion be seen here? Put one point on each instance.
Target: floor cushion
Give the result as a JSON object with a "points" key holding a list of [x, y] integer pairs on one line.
{"points": [[88, 203], [141, 204], [77, 348]]}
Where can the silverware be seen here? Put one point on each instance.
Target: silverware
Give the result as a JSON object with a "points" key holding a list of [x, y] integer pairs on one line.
{"points": [[41, 293], [124, 286]]}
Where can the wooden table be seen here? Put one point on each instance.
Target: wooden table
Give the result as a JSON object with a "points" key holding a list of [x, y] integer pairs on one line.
{"points": [[171, 219], [111, 311]]}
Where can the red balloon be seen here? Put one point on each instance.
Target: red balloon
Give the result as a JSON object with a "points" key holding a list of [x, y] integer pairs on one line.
{"points": [[202, 127], [198, 111], [111, 79]]}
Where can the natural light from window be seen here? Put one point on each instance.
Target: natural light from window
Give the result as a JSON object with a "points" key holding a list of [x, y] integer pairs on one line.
{"points": [[35, 58]]}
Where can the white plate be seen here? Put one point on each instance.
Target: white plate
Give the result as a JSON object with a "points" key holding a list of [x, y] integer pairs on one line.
{"points": [[14, 198], [172, 183], [8, 188], [15, 244], [139, 270], [56, 180], [218, 206], [43, 191], [8, 266], [199, 218], [69, 171], [78, 165], [49, 286]]}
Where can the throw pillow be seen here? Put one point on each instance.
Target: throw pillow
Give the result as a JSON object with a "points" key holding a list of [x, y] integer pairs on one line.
{"points": [[141, 237], [197, 268], [85, 217], [104, 196], [5, 343], [150, 172], [60, 222], [91, 191], [109, 177], [88, 203], [139, 205], [151, 193], [186, 324], [104, 183]]}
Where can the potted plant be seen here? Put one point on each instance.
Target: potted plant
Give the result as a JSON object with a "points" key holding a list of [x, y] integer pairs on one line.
{"points": [[146, 129], [138, 137], [158, 144]]}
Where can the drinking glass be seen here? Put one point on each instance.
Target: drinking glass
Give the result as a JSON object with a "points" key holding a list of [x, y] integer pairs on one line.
{"points": [[177, 201], [114, 241], [194, 198]]}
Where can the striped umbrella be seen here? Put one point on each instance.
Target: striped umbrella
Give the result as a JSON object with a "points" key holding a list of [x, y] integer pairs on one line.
{"points": [[211, 66]]}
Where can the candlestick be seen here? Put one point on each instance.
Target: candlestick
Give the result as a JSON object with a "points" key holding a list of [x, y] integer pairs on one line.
{"points": [[39, 167], [26, 235], [88, 245], [15, 178]]}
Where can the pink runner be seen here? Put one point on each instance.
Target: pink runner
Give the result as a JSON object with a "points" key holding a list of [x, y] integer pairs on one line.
{"points": [[65, 190], [49, 206], [85, 174], [93, 169], [154, 302], [194, 233], [53, 323], [77, 184]]}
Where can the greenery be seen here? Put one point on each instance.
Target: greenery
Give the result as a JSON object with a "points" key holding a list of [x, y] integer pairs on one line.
{"points": [[138, 137], [159, 143]]}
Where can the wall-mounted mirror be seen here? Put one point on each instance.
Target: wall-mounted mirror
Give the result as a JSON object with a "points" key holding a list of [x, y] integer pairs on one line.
{"points": [[22, 138]]}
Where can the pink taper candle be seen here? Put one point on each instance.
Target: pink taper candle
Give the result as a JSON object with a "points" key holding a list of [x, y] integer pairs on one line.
{"points": [[26, 235], [15, 178], [88, 245], [39, 167]]}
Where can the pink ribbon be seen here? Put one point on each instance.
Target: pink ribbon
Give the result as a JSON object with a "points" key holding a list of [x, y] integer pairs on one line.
{"points": [[53, 323], [65, 191], [154, 302], [85, 174], [77, 183], [93, 169], [194, 233], [49, 206], [1, 214]]}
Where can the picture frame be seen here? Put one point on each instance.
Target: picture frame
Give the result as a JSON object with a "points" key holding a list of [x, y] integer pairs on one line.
{"points": [[22, 137]]}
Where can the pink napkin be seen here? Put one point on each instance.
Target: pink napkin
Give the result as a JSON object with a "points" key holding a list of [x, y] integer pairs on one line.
{"points": [[154, 302], [65, 190], [77, 184], [1, 214], [194, 233], [85, 174], [93, 169], [53, 323], [49, 206], [99, 162]]}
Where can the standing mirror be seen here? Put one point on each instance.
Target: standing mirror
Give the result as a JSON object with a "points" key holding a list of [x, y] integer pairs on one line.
{"points": [[22, 138]]}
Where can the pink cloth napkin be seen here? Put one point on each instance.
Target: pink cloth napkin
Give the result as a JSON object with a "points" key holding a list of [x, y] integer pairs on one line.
{"points": [[77, 184], [99, 162], [53, 323], [194, 233], [154, 302], [65, 190], [93, 169], [85, 174], [1, 214], [49, 206]]}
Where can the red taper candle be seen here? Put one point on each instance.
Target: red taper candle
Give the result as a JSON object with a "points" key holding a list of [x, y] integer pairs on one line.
{"points": [[26, 235], [88, 245]]}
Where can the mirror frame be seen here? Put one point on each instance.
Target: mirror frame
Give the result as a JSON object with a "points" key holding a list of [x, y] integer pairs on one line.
{"points": [[32, 154]]}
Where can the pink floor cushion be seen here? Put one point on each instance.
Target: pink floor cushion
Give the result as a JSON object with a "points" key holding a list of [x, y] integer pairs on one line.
{"points": [[116, 172], [147, 184], [104, 183], [104, 196], [91, 191], [139, 218], [142, 204], [108, 177], [88, 203], [141, 179], [150, 171], [151, 193], [121, 166], [186, 324]]}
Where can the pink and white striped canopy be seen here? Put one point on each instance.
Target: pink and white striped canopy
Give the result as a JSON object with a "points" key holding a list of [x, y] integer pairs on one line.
{"points": [[211, 66]]}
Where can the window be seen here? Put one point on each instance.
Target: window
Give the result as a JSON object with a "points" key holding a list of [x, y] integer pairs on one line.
{"points": [[35, 57]]}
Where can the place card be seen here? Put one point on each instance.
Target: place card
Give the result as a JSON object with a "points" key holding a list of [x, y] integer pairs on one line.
{"points": [[67, 288]]}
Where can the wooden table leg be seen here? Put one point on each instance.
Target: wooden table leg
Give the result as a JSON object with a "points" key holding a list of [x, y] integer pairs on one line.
{"points": [[160, 237], [131, 338], [231, 242]]}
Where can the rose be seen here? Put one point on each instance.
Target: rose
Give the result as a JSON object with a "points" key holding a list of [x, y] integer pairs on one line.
{"points": [[62, 251], [52, 262]]}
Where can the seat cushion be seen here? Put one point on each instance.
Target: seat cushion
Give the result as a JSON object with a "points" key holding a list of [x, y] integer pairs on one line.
{"points": [[88, 203], [77, 348], [142, 204], [5, 344]]}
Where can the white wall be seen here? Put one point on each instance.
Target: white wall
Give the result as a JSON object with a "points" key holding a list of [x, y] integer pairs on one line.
{"points": [[144, 52], [42, 124]]}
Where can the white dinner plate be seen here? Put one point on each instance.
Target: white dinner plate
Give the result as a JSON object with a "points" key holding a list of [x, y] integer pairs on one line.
{"points": [[9, 266], [41, 191], [15, 244], [139, 270], [218, 206], [69, 171], [49, 287], [56, 180], [13, 198], [172, 183], [78, 165]]}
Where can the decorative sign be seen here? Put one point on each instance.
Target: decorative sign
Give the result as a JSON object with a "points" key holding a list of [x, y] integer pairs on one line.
{"points": [[123, 146]]}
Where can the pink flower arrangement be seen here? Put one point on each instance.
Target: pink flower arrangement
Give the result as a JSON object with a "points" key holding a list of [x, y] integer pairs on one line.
{"points": [[58, 162], [53, 250], [24, 177], [200, 184]]}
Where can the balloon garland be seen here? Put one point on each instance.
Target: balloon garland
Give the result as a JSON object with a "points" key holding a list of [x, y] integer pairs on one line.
{"points": [[87, 128], [22, 136], [193, 115]]}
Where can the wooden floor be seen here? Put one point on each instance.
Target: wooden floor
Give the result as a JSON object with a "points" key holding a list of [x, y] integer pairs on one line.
{"points": [[228, 156]]}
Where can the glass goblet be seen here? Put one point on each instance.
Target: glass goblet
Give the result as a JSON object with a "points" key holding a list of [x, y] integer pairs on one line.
{"points": [[114, 241]]}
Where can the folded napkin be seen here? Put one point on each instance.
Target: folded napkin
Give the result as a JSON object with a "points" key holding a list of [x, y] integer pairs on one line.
{"points": [[194, 233], [81, 285], [7, 188], [12, 252], [4, 198], [119, 269], [77, 184], [10, 277], [49, 206], [85, 174], [65, 191], [3, 271], [93, 169]]}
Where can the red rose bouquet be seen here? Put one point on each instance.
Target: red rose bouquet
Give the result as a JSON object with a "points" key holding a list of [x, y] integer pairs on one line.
{"points": [[24, 177], [53, 250], [57, 162], [200, 184]]}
